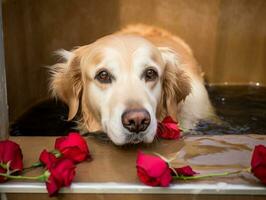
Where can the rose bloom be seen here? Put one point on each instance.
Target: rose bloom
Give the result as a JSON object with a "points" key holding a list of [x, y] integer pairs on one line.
{"points": [[47, 158], [10, 153], [62, 172], [73, 147], [152, 170], [168, 129], [258, 163], [185, 171]]}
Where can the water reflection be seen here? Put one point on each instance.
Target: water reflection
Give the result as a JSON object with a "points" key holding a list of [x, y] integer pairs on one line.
{"points": [[214, 153]]}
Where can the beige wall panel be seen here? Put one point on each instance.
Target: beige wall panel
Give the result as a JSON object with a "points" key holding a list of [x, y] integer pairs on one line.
{"points": [[35, 29], [241, 44], [194, 21]]}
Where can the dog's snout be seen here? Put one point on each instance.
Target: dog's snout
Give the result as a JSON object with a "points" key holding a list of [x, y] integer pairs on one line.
{"points": [[136, 120]]}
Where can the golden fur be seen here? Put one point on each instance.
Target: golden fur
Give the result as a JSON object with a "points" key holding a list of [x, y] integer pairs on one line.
{"points": [[180, 86]]}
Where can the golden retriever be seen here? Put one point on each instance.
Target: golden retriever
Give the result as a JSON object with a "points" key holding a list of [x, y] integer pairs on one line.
{"points": [[124, 82]]}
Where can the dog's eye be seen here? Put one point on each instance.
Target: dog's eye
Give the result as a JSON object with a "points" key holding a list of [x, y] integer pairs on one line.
{"points": [[104, 77], [150, 75]]}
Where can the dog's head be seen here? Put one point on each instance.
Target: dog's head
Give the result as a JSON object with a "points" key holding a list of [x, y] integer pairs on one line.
{"points": [[121, 84]]}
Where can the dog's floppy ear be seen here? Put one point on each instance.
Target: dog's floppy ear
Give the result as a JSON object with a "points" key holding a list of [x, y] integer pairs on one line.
{"points": [[175, 83], [66, 82]]}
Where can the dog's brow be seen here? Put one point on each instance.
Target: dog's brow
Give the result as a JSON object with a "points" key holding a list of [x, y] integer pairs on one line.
{"points": [[97, 58], [151, 53], [155, 57]]}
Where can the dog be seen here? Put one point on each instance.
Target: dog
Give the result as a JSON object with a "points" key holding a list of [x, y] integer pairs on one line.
{"points": [[124, 82]]}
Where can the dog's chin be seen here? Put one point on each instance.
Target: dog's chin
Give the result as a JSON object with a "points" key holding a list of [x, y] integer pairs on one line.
{"points": [[131, 139], [140, 140], [134, 139]]}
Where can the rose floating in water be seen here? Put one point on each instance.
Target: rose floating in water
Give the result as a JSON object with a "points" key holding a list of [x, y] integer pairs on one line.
{"points": [[258, 163], [168, 129], [10, 159]]}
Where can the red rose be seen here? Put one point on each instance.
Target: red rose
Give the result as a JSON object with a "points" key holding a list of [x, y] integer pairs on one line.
{"points": [[185, 171], [258, 163], [152, 170], [61, 172], [73, 147], [10, 154], [47, 158], [168, 129]]}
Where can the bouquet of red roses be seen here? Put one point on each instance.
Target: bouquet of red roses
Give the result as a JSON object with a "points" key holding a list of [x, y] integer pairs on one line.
{"points": [[59, 164]]}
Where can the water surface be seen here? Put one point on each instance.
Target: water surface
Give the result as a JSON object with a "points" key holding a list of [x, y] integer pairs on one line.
{"points": [[242, 110]]}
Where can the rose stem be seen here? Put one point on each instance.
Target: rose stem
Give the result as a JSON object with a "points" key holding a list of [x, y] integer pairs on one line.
{"points": [[42, 177], [209, 175], [34, 165], [39, 164]]}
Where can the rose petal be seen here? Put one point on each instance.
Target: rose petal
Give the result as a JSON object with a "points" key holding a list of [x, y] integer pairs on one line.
{"points": [[163, 131], [258, 163], [64, 170], [47, 158], [153, 165], [169, 119], [185, 171], [152, 170], [52, 186], [11, 153], [73, 147], [259, 155], [166, 178], [62, 173], [145, 178], [168, 129]]}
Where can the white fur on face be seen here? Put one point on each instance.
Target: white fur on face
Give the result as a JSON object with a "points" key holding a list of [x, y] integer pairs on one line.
{"points": [[111, 100]]}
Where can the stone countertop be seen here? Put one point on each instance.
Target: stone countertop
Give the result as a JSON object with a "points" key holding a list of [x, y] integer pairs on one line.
{"points": [[112, 169]]}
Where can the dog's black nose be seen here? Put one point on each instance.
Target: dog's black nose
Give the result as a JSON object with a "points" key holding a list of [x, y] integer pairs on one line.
{"points": [[136, 120]]}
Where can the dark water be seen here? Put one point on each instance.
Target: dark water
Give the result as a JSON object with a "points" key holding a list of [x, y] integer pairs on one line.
{"points": [[242, 110], [47, 118]]}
